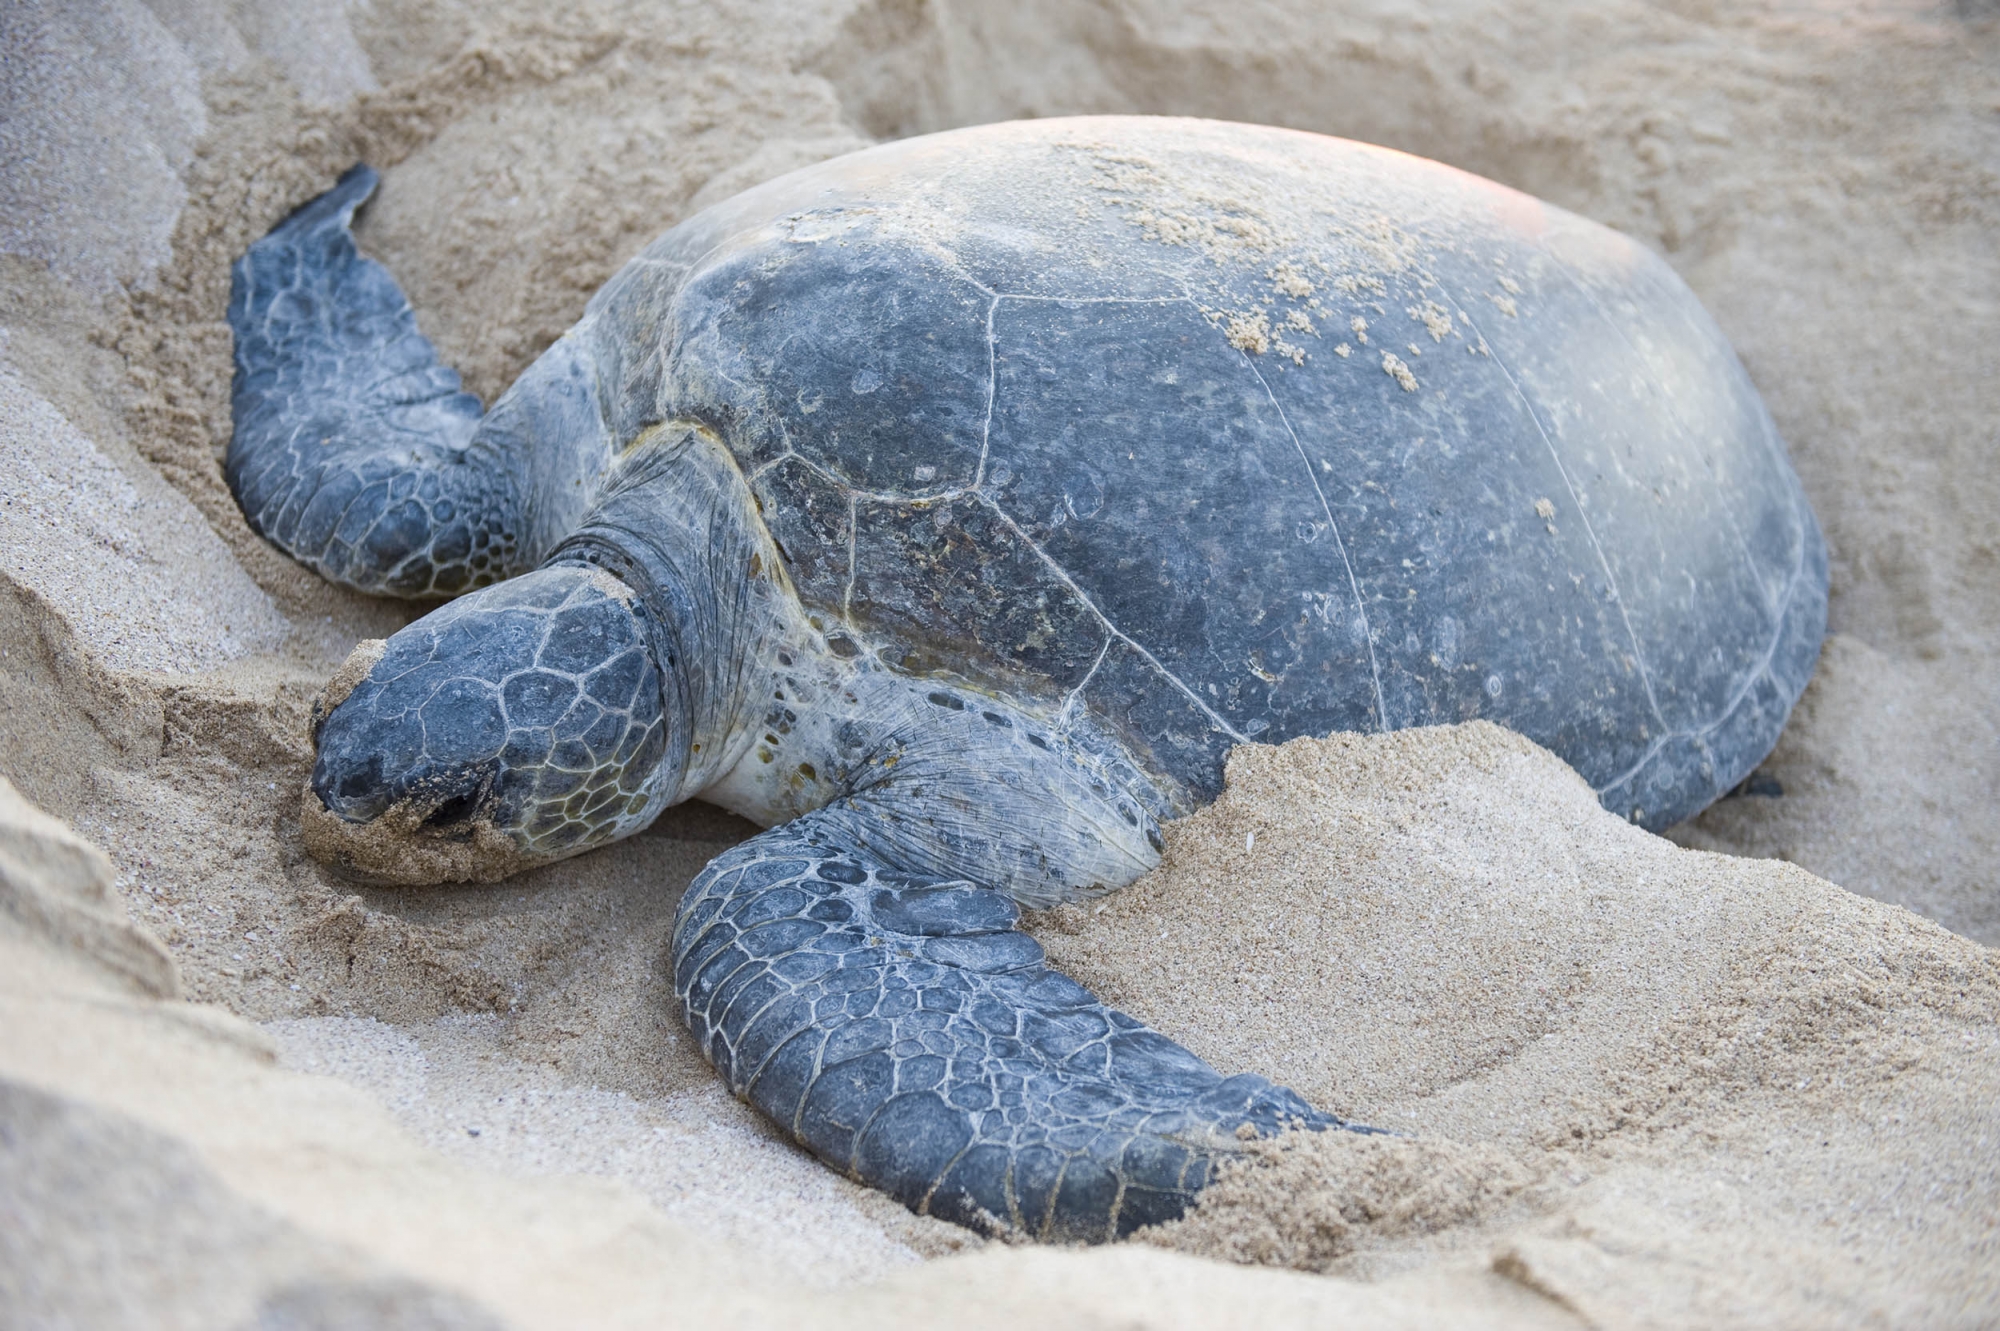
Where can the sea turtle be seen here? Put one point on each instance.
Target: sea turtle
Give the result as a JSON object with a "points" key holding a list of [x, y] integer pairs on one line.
{"points": [[950, 509]]}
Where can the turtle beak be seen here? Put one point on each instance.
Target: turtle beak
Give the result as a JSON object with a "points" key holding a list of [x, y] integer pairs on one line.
{"points": [[517, 725]]}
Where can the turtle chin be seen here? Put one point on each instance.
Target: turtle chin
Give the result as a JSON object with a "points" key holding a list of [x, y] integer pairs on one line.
{"points": [[515, 726]]}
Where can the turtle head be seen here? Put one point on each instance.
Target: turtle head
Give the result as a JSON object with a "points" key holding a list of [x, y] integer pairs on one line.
{"points": [[523, 723]]}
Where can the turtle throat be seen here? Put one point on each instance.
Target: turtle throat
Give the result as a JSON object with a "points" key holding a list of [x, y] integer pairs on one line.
{"points": [[677, 523]]}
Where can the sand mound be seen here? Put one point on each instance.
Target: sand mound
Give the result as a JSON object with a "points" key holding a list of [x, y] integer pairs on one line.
{"points": [[1648, 1087], [158, 1167], [1668, 1087]]}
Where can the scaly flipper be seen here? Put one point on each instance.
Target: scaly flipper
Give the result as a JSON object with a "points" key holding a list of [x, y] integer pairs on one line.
{"points": [[355, 450], [902, 1029]]}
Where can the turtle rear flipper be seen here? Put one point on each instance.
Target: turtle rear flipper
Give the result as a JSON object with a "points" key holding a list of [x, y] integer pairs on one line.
{"points": [[901, 1028], [355, 449]]}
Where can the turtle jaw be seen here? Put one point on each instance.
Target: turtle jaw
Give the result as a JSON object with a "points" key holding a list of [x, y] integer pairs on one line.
{"points": [[518, 725]]}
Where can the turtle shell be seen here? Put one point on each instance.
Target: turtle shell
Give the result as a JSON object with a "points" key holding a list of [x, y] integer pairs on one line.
{"points": [[1234, 433]]}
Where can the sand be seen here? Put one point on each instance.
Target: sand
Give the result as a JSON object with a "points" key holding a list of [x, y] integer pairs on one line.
{"points": [[1645, 1085], [1631, 1074]]}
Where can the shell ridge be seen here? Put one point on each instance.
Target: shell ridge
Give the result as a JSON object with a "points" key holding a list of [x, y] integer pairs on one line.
{"points": [[1583, 515], [1750, 678], [1776, 605], [1353, 585], [1070, 583]]}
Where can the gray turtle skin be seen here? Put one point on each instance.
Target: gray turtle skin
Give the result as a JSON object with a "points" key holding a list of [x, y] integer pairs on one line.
{"points": [[950, 509]]}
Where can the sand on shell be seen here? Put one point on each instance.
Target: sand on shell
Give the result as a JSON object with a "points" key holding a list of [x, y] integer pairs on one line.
{"points": [[1646, 1086]]}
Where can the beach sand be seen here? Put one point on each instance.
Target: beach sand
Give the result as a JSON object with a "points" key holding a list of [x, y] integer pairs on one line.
{"points": [[1643, 1084]]}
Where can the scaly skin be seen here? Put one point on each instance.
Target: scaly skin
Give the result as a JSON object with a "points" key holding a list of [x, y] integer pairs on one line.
{"points": [[356, 452], [531, 711], [902, 1029]]}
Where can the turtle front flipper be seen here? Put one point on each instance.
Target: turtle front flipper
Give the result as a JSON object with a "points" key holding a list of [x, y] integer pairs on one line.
{"points": [[355, 449], [901, 1028]]}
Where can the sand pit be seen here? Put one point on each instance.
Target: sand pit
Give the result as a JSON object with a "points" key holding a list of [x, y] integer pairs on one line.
{"points": [[1643, 1086]]}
